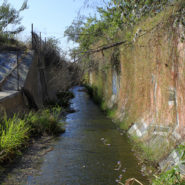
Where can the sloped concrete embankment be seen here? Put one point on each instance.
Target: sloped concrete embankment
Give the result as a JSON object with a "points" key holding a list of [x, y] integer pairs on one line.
{"points": [[21, 82], [14, 66]]}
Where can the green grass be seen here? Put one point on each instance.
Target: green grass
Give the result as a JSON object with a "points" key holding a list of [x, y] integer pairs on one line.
{"points": [[147, 155], [45, 122], [15, 132], [172, 176], [111, 113], [142, 149]]}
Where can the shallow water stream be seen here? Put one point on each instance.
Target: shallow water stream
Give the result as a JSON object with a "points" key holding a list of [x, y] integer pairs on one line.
{"points": [[91, 152]]}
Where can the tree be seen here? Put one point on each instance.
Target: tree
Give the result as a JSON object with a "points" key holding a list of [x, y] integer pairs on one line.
{"points": [[73, 32], [11, 16], [111, 17]]}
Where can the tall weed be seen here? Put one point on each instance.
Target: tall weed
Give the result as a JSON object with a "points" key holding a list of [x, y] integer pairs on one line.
{"points": [[15, 132], [45, 122]]}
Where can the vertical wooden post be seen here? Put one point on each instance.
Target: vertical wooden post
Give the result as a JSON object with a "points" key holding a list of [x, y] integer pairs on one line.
{"points": [[39, 50], [17, 71], [32, 35], [40, 41]]}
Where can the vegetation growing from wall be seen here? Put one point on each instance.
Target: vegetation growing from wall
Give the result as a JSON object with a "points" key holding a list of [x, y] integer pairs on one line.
{"points": [[172, 176], [61, 74], [113, 17], [143, 18], [142, 38]]}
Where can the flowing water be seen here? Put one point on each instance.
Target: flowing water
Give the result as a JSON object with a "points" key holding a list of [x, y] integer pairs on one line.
{"points": [[91, 152]]}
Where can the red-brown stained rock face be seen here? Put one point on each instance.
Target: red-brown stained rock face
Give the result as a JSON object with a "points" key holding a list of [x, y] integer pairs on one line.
{"points": [[151, 81]]}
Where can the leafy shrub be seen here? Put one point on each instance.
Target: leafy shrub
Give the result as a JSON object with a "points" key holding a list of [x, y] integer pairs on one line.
{"points": [[45, 122], [64, 97]]}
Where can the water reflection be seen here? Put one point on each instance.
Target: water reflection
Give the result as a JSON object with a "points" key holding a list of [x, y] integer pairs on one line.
{"points": [[91, 152]]}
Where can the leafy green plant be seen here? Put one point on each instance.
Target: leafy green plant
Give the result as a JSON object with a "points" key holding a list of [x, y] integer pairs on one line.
{"points": [[45, 122], [172, 176], [14, 133], [113, 16]]}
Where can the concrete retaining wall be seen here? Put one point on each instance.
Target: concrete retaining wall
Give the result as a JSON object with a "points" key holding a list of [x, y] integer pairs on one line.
{"points": [[33, 82], [146, 96], [12, 102]]}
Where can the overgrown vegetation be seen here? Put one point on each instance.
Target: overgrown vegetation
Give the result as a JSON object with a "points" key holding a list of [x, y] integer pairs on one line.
{"points": [[173, 176], [44, 122], [114, 23], [16, 132], [60, 74], [111, 18], [64, 97], [170, 177]]}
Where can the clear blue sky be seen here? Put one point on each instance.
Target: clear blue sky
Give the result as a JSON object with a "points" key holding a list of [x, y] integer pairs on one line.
{"points": [[51, 17]]}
